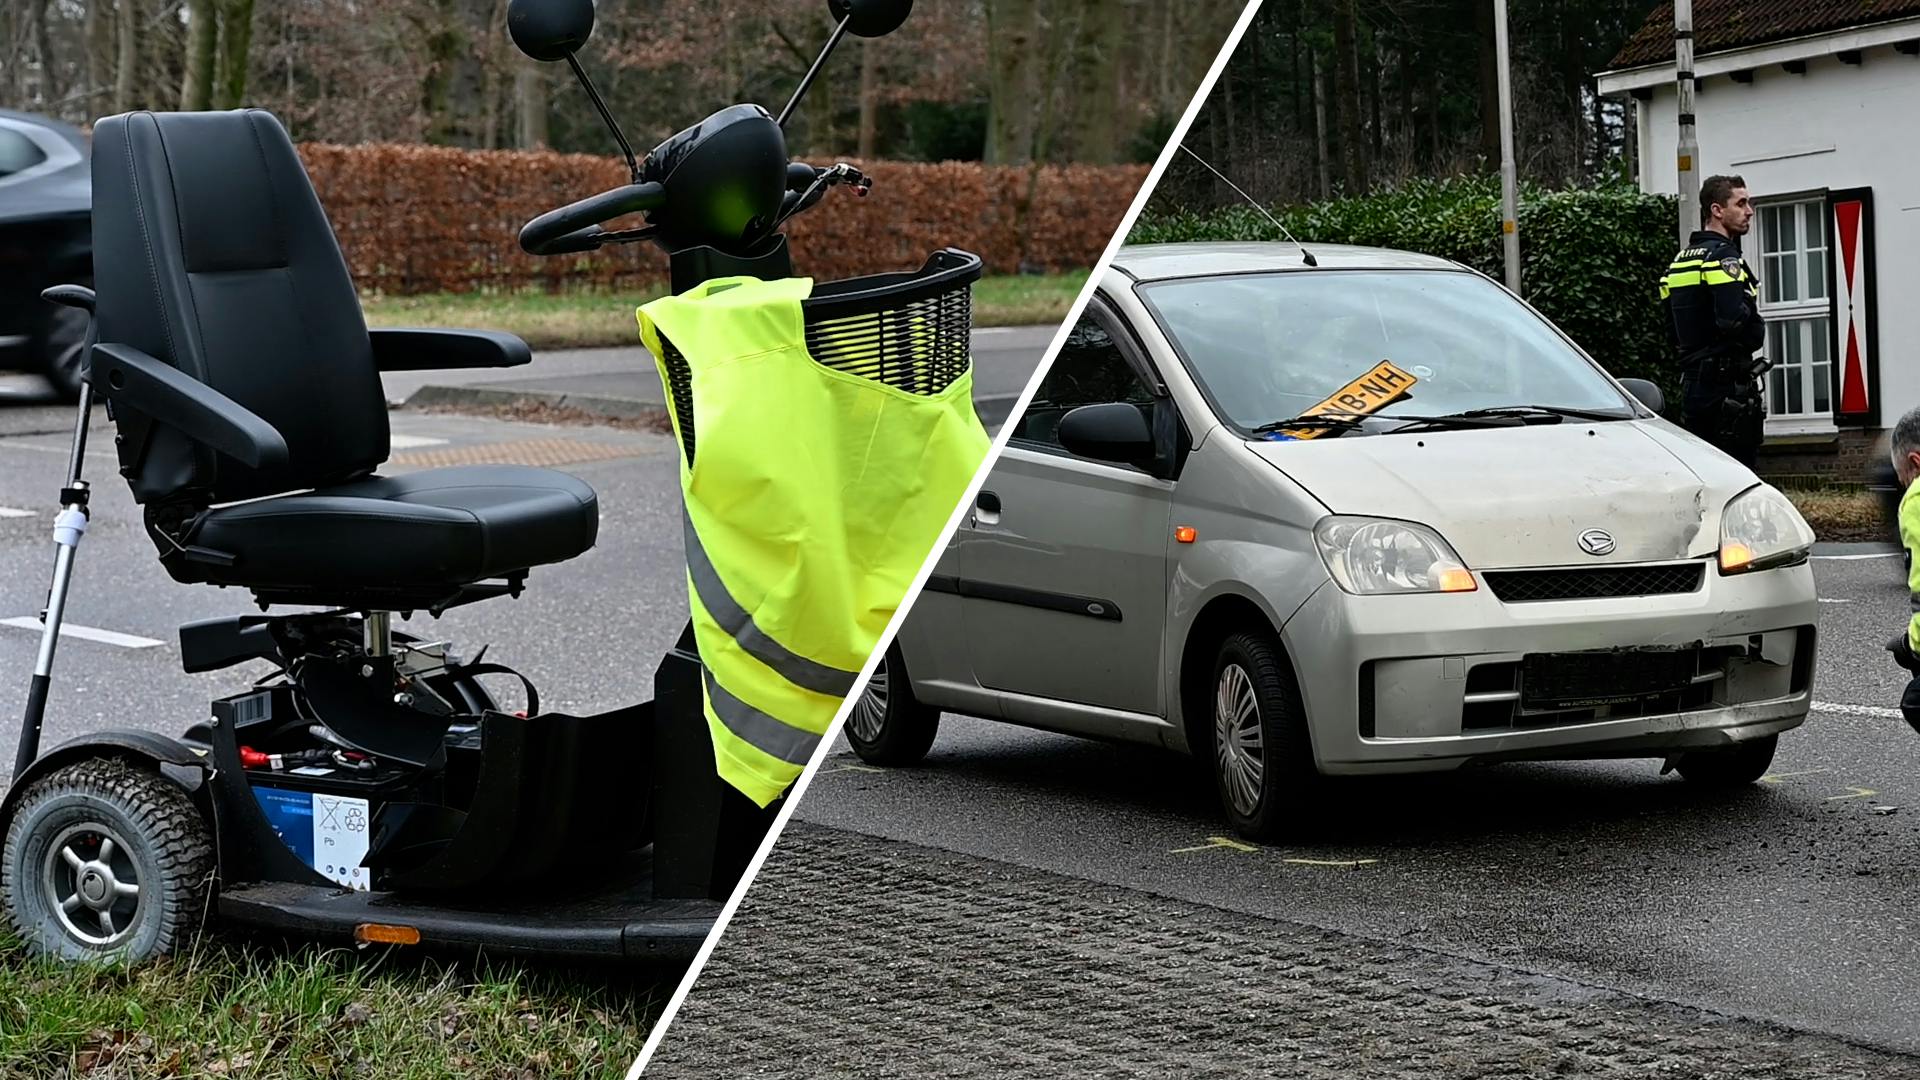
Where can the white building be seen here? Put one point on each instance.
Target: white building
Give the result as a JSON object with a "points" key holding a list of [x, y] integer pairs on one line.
{"points": [[1816, 103]]}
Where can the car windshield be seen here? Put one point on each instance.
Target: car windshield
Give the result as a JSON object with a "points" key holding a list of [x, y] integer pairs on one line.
{"points": [[1271, 346]]}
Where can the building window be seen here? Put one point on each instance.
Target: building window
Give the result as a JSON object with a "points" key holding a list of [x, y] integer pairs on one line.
{"points": [[1794, 251]]}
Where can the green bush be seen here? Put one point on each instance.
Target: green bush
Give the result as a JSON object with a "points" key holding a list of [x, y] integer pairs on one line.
{"points": [[1590, 259]]}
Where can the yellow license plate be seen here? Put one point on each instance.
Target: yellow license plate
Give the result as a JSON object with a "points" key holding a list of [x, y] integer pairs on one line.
{"points": [[1364, 396]]}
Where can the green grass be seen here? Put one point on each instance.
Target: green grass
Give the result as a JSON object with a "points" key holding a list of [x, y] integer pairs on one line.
{"points": [[584, 319], [1839, 514], [233, 1009]]}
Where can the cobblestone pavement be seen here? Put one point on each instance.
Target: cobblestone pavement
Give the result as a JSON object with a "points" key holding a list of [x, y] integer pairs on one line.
{"points": [[860, 957]]}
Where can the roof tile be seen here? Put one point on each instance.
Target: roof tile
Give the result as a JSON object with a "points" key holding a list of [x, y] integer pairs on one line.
{"points": [[1720, 25]]}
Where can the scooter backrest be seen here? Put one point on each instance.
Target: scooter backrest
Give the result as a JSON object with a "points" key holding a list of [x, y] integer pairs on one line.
{"points": [[211, 253]]}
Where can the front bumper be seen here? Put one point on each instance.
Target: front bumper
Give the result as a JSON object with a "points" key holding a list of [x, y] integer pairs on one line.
{"points": [[1434, 682]]}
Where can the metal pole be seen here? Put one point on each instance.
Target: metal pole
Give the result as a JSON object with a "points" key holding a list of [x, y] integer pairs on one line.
{"points": [[69, 526], [812, 72], [1509, 198], [1689, 151]]}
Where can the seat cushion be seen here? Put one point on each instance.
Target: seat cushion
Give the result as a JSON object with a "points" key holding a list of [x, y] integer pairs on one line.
{"points": [[454, 525]]}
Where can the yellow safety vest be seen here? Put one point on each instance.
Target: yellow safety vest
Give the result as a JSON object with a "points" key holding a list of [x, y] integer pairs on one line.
{"points": [[812, 498]]}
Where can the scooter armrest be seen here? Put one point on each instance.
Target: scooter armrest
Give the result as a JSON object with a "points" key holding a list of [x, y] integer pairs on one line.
{"points": [[435, 349], [131, 378]]}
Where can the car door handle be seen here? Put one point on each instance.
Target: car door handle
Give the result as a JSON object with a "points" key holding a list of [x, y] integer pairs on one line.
{"points": [[986, 508]]}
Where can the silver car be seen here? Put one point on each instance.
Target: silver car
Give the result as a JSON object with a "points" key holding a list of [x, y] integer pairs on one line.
{"points": [[1372, 515]]}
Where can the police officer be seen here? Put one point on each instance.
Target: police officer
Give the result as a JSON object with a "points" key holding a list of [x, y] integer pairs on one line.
{"points": [[1713, 322]]}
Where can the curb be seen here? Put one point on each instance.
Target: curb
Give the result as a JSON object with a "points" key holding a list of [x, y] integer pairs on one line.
{"points": [[613, 408], [992, 410]]}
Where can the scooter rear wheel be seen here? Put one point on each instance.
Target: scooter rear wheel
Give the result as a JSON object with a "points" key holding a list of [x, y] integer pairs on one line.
{"points": [[105, 861]]}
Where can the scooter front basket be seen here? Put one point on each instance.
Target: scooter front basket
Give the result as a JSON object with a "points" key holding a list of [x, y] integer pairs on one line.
{"points": [[910, 330]]}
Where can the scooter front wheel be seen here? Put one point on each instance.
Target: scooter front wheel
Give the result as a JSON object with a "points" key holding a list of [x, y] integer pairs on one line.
{"points": [[105, 861]]}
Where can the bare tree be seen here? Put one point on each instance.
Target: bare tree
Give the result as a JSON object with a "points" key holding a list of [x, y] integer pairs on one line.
{"points": [[203, 33], [236, 42]]}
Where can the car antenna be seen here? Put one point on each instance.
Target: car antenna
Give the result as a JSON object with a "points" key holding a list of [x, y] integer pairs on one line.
{"points": [[1304, 253]]}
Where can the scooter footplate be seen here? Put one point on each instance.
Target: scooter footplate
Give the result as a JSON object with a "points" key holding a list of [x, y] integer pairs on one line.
{"points": [[619, 921]]}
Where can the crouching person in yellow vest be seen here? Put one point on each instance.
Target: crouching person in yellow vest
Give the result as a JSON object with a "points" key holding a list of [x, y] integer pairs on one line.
{"points": [[813, 496]]}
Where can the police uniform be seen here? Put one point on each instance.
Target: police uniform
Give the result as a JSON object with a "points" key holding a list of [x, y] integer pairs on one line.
{"points": [[1713, 321]]}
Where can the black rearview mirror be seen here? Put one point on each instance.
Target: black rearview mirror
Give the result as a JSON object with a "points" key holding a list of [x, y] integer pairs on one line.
{"points": [[1647, 393], [1112, 432], [550, 30], [871, 18]]}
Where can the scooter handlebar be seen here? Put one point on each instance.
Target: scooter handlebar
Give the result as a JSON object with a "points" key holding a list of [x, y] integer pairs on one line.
{"points": [[575, 227]]}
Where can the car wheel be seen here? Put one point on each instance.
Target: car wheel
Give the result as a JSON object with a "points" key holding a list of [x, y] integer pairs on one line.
{"points": [[1734, 766], [888, 725], [64, 350], [105, 861], [1262, 753]]}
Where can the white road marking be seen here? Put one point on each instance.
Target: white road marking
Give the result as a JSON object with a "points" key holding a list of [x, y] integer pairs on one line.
{"points": [[9, 511], [1834, 600], [1853, 558], [409, 442], [67, 629], [1858, 710], [63, 451]]}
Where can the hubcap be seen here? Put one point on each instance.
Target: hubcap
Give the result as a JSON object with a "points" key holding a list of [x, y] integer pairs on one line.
{"points": [[90, 877], [1239, 745], [870, 712]]}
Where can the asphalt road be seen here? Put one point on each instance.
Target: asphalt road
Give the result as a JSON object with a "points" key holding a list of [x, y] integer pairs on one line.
{"points": [[1791, 903]]}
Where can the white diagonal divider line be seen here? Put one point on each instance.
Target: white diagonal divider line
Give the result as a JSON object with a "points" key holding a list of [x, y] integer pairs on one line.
{"points": [[1880, 711], [799, 788], [90, 633], [14, 512]]}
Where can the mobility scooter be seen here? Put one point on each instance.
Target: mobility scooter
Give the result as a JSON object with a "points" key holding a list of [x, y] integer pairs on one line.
{"points": [[368, 788]]}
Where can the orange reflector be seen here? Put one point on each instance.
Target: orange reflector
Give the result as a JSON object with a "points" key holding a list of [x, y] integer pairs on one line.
{"points": [[1735, 555], [368, 933], [1457, 580], [1186, 534]]}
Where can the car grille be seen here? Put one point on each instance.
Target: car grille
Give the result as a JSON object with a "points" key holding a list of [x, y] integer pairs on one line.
{"points": [[1556, 689], [1594, 583]]}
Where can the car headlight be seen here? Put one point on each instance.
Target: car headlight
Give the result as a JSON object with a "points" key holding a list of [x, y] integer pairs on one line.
{"points": [[1375, 556], [1760, 529]]}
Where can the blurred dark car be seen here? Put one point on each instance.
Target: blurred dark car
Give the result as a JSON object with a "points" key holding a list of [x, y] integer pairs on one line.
{"points": [[46, 238]]}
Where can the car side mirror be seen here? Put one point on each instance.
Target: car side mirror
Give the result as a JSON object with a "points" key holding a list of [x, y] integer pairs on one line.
{"points": [[1112, 432], [1648, 394]]}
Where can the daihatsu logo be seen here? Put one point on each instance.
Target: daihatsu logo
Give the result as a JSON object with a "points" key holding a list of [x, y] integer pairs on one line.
{"points": [[1596, 542]]}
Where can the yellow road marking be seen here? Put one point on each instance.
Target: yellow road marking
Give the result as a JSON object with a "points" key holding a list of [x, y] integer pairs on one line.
{"points": [[1216, 842], [1858, 793], [1774, 778]]}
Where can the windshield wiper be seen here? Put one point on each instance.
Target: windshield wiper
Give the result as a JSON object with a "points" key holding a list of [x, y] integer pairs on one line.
{"points": [[1544, 411], [1334, 421], [1345, 422]]}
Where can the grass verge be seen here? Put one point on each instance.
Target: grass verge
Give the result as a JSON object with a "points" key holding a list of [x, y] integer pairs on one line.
{"points": [[1839, 515], [589, 318], [243, 1009]]}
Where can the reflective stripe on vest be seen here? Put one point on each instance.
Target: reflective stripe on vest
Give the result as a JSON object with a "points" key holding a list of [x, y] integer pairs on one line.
{"points": [[812, 499]]}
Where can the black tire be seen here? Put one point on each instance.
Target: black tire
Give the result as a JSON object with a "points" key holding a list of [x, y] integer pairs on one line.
{"points": [[1269, 790], [888, 725], [58, 841], [62, 352], [1735, 766]]}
